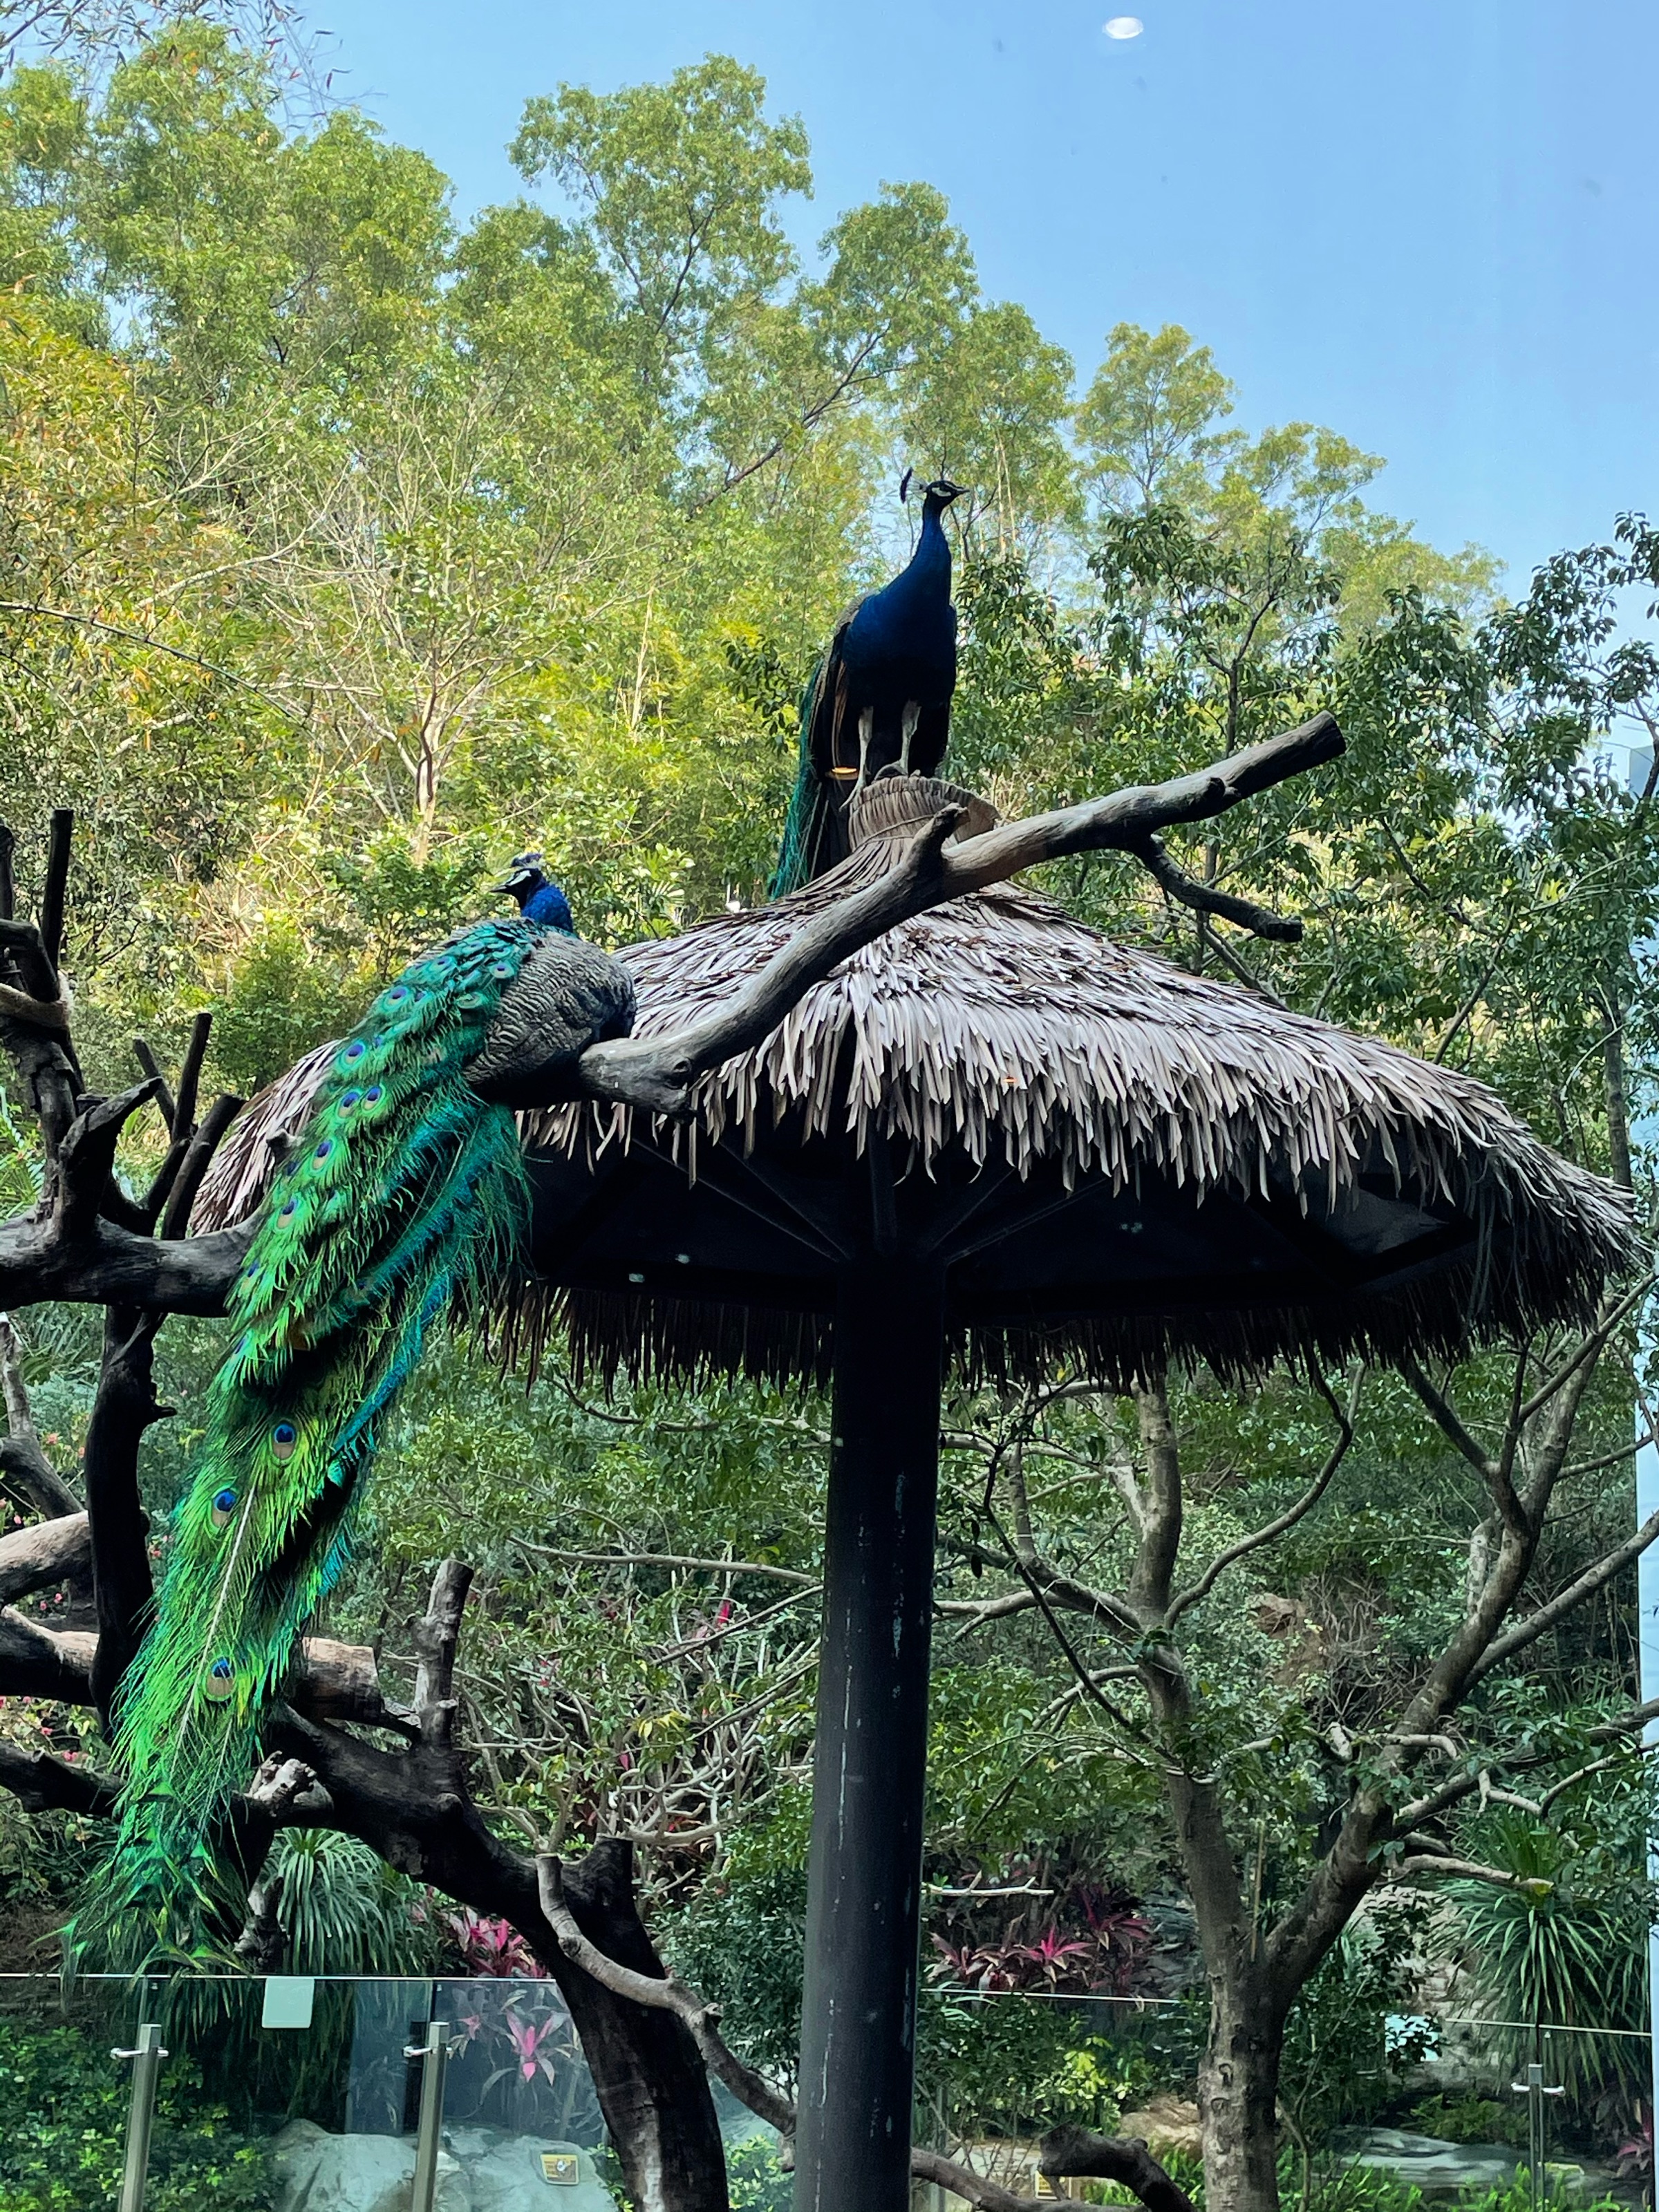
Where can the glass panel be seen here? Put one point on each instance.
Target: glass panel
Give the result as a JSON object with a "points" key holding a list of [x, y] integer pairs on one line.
{"points": [[1446, 2105], [262, 2116]]}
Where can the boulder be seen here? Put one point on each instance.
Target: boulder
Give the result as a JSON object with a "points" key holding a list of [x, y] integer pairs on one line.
{"points": [[509, 2178], [1165, 2124], [1427, 2162], [317, 2172]]}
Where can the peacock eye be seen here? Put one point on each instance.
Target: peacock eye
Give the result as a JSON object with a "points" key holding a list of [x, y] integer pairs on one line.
{"points": [[373, 1095], [348, 1099], [293, 1207], [355, 1051], [221, 1681], [503, 968], [283, 1438], [224, 1508], [471, 1001], [323, 1150], [395, 998]]}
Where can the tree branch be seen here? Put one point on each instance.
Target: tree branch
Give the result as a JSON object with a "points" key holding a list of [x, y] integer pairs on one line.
{"points": [[667, 1560], [658, 1074], [1539, 1623], [669, 1995], [1204, 898], [1287, 1520], [46, 1552]]}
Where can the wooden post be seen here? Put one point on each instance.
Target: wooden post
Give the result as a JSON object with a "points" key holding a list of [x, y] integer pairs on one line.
{"points": [[864, 1898]]}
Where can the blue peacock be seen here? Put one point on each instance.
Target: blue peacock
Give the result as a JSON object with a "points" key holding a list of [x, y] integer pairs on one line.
{"points": [[879, 700], [406, 1192]]}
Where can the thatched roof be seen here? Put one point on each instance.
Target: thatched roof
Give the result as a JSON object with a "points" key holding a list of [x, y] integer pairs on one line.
{"points": [[997, 1029]]}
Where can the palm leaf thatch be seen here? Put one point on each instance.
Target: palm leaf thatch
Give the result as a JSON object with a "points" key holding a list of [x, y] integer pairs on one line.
{"points": [[996, 1039]]}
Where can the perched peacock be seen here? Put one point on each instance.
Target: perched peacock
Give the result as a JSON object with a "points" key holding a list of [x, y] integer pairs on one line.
{"points": [[879, 700], [406, 1191]]}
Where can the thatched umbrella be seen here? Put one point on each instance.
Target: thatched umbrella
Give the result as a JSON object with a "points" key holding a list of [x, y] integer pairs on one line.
{"points": [[994, 1136]]}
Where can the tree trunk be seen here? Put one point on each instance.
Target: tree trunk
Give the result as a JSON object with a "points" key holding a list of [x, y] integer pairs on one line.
{"points": [[1237, 2097]]}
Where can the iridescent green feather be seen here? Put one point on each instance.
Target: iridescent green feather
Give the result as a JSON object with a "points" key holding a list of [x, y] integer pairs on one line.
{"points": [[405, 1189]]}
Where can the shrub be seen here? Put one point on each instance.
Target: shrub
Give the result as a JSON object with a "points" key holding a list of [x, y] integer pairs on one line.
{"points": [[66, 2103]]}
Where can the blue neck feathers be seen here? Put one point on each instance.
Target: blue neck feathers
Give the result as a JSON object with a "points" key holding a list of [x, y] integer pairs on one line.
{"points": [[550, 907]]}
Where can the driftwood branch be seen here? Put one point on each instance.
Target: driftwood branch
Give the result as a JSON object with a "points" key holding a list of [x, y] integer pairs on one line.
{"points": [[41, 1782], [669, 1995], [46, 1552], [125, 1408], [1130, 2162], [1205, 898], [1076, 2153]]}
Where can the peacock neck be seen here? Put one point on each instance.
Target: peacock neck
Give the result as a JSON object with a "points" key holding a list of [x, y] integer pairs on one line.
{"points": [[929, 574]]}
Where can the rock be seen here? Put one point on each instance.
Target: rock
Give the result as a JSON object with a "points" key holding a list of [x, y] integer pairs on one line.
{"points": [[319, 2173], [509, 2178], [1165, 2124], [1426, 2162]]}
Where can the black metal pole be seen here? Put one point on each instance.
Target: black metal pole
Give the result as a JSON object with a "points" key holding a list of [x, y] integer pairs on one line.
{"points": [[864, 1894]]}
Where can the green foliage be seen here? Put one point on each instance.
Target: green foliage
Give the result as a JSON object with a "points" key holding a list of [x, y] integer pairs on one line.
{"points": [[1567, 1942], [1337, 2071], [66, 2109], [344, 1910], [755, 2180], [740, 1944], [1471, 2117]]}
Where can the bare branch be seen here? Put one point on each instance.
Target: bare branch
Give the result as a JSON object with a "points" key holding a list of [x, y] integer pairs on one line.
{"points": [[1126, 2159], [198, 1159], [41, 1782], [113, 1265], [1204, 898], [46, 1552], [55, 890], [1472, 1870], [667, 1560], [1271, 1529]]}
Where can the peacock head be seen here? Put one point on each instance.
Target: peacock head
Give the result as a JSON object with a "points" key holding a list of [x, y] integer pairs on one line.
{"points": [[539, 898], [935, 497]]}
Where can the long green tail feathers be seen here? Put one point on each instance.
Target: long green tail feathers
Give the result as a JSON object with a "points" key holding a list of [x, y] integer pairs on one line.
{"points": [[405, 1189], [807, 803]]}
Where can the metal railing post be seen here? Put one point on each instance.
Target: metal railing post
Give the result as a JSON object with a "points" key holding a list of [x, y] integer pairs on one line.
{"points": [[434, 2055], [141, 2115], [1534, 2089]]}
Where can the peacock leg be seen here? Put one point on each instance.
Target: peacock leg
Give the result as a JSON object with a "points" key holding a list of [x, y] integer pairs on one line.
{"points": [[907, 731], [866, 728]]}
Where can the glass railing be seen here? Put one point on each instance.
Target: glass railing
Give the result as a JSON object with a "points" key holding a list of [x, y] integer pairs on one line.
{"points": [[1446, 2109], [264, 2095], [379, 2095]]}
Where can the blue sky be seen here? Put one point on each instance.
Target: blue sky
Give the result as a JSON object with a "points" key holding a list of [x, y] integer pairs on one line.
{"points": [[1428, 225]]}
